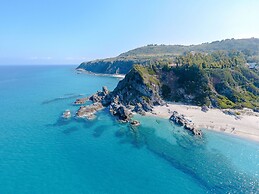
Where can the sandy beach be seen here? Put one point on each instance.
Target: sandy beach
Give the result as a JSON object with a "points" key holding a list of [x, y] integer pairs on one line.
{"points": [[244, 124], [120, 76]]}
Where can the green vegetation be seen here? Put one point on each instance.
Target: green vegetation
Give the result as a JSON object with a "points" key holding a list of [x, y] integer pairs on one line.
{"points": [[218, 59], [211, 73], [148, 74], [224, 102], [249, 47], [194, 84], [219, 79], [163, 55], [236, 85]]}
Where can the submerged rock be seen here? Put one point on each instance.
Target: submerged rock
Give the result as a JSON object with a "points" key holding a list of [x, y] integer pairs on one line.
{"points": [[135, 123], [81, 101]]}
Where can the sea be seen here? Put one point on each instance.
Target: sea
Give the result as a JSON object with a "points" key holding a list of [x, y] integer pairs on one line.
{"points": [[41, 153]]}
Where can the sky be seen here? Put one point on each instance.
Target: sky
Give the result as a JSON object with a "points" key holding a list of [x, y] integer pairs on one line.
{"points": [[70, 32]]}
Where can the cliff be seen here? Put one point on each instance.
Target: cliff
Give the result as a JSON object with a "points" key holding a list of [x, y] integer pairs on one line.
{"points": [[108, 66], [140, 85]]}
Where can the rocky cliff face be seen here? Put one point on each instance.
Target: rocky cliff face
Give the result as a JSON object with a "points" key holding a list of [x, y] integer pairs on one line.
{"points": [[108, 66], [139, 90]]}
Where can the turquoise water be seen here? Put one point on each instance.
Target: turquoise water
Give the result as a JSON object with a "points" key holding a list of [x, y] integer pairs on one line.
{"points": [[40, 153]]}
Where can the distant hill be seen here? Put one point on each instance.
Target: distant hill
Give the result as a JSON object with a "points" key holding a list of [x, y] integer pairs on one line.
{"points": [[166, 54], [249, 46]]}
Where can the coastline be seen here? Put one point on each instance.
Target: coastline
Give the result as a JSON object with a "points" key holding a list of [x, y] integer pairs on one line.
{"points": [[245, 125], [121, 76]]}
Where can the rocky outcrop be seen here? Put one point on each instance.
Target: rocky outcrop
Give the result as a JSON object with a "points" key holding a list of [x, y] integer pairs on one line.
{"points": [[138, 92], [139, 89], [89, 111], [121, 112], [103, 99], [99, 95], [186, 123], [126, 99], [204, 108]]}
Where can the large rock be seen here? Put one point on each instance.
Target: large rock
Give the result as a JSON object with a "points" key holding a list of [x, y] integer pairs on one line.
{"points": [[138, 87], [139, 109], [100, 96], [105, 90], [121, 112], [96, 98], [186, 123], [204, 108], [89, 111], [134, 123], [146, 107], [81, 101]]}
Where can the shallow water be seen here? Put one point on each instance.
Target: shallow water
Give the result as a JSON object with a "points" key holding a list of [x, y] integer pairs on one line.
{"points": [[41, 153]]}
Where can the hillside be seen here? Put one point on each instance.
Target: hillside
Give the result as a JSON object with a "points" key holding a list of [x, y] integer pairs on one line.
{"points": [[223, 82], [166, 54]]}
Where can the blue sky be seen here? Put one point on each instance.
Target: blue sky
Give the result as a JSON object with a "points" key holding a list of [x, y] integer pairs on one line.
{"points": [[69, 32]]}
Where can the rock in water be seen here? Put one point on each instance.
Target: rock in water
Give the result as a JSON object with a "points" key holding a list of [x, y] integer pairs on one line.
{"points": [[89, 111], [121, 112], [105, 90], [100, 95], [66, 114], [186, 123], [81, 101], [135, 123]]}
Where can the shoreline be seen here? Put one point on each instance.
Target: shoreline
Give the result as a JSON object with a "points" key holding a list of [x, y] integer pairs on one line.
{"points": [[244, 125], [121, 76]]}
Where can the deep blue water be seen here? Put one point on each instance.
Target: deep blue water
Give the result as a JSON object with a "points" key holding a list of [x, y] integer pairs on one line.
{"points": [[40, 153]]}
